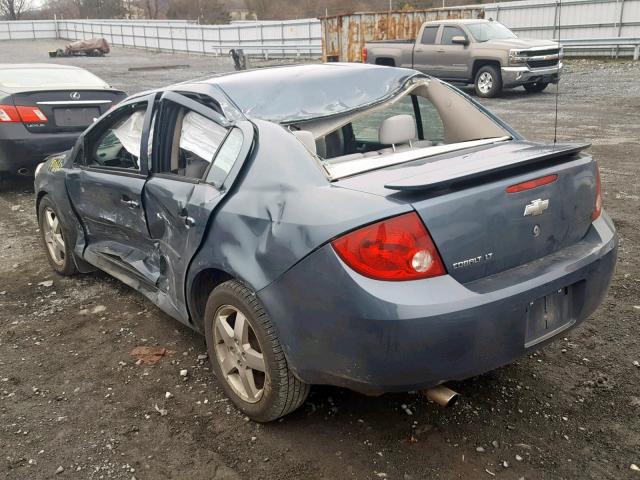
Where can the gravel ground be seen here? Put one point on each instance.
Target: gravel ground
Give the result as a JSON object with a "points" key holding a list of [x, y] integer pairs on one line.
{"points": [[74, 404]]}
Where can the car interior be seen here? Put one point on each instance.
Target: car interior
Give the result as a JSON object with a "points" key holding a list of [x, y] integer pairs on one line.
{"points": [[426, 116]]}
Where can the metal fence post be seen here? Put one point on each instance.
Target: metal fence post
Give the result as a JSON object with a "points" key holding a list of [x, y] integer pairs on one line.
{"points": [[620, 20]]}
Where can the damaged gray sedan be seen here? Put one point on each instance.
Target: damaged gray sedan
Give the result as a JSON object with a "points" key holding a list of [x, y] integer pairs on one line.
{"points": [[353, 225]]}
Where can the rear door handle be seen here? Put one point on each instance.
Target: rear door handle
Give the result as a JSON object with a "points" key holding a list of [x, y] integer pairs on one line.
{"points": [[440, 51], [188, 221], [128, 202]]}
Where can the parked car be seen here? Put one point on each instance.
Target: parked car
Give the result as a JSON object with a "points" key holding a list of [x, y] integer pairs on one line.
{"points": [[43, 110], [354, 225], [484, 53]]}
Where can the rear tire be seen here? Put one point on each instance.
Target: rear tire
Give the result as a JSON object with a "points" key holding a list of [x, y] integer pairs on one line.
{"points": [[535, 87], [247, 357], [488, 82], [52, 231]]}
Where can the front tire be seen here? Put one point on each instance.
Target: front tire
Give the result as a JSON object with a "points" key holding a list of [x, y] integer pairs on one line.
{"points": [[247, 357], [535, 87], [488, 82], [59, 251]]}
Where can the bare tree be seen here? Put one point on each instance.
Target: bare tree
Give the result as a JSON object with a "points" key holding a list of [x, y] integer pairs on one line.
{"points": [[151, 8], [205, 11], [13, 9]]}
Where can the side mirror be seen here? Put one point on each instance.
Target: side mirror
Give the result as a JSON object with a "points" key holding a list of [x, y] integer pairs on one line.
{"points": [[459, 40]]}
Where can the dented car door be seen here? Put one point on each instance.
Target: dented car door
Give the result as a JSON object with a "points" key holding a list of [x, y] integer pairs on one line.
{"points": [[194, 152], [106, 190]]}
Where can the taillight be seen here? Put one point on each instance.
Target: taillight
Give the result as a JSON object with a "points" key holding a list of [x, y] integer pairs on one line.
{"points": [[597, 208], [8, 113], [364, 54], [398, 248], [31, 114]]}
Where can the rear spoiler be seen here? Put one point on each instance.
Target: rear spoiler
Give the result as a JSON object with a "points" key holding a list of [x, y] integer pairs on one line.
{"points": [[487, 162]]}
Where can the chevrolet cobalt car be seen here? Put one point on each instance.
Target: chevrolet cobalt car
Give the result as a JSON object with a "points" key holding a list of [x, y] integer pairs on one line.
{"points": [[43, 110], [354, 225]]}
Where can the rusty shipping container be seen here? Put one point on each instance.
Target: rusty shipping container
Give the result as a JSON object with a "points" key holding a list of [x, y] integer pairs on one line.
{"points": [[343, 36]]}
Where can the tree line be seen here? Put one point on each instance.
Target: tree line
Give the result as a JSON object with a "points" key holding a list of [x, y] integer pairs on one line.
{"points": [[205, 11]]}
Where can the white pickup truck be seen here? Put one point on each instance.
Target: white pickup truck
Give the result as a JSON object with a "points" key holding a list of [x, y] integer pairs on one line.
{"points": [[484, 53]]}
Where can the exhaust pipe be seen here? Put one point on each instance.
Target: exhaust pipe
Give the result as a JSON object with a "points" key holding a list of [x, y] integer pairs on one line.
{"points": [[442, 395], [24, 172]]}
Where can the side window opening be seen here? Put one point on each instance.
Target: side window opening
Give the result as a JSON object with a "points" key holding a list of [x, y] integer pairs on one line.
{"points": [[448, 33], [197, 148], [432, 126], [196, 141], [429, 35], [119, 145]]}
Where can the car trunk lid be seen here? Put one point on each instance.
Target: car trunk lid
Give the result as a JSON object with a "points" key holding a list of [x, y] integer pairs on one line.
{"points": [[67, 110], [479, 227]]}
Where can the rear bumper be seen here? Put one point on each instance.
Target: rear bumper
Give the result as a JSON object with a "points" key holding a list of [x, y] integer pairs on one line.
{"points": [[340, 328], [516, 76], [20, 149]]}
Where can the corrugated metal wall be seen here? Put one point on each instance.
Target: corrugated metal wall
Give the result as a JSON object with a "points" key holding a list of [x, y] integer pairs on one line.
{"points": [[343, 36], [578, 18]]}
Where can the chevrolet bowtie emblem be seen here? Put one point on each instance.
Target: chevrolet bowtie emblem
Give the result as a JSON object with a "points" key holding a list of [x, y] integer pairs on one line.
{"points": [[536, 207]]}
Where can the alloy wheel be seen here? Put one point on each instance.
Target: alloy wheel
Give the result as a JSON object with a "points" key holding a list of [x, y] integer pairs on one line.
{"points": [[239, 354], [485, 82], [52, 231]]}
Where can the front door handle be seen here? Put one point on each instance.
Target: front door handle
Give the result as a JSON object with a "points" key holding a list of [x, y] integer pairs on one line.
{"points": [[188, 221], [128, 202], [440, 51]]}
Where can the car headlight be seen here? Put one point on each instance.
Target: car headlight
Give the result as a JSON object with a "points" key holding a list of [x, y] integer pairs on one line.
{"points": [[515, 58]]}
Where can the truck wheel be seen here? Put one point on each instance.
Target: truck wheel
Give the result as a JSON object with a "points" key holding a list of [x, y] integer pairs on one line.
{"points": [[59, 251], [488, 82], [247, 357], [535, 87]]}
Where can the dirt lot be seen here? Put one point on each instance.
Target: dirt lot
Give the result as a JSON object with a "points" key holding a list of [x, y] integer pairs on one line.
{"points": [[74, 404]]}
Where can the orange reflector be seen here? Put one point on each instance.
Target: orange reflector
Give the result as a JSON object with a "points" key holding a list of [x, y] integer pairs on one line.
{"points": [[529, 184]]}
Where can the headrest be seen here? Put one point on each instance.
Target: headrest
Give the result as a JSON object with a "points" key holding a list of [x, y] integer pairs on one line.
{"points": [[397, 130], [307, 139]]}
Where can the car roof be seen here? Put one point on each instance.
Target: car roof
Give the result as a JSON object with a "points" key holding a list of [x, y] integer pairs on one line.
{"points": [[302, 92], [29, 77], [459, 20]]}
